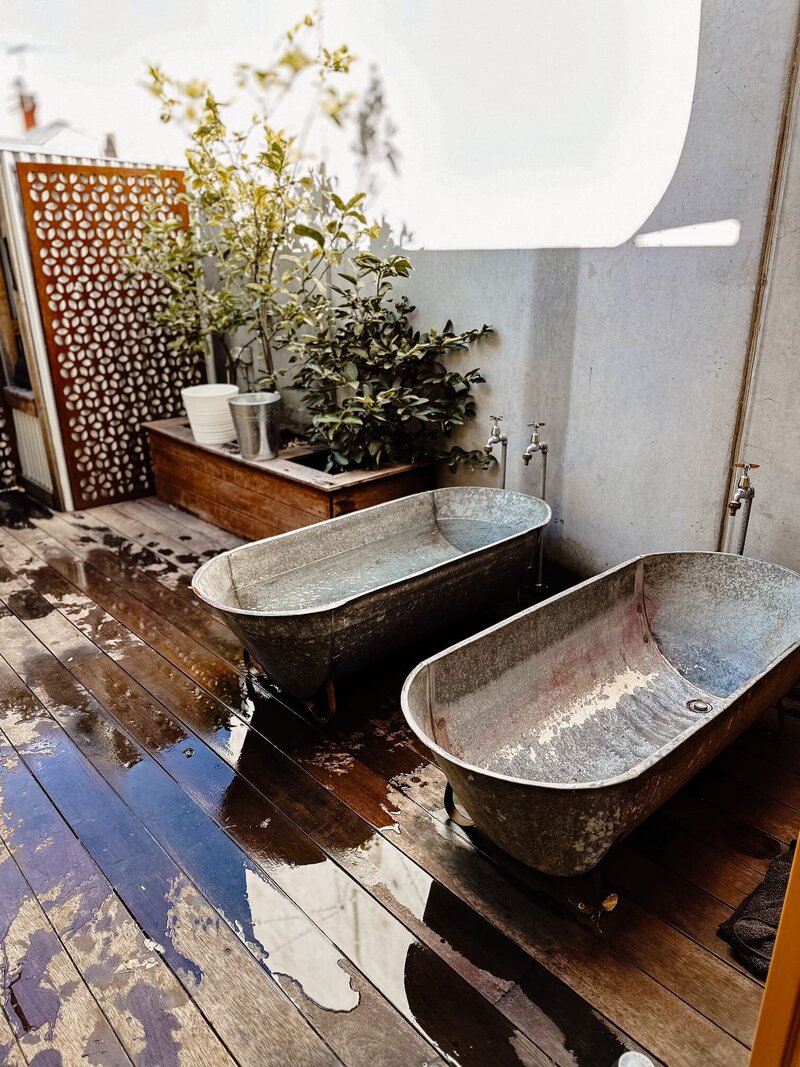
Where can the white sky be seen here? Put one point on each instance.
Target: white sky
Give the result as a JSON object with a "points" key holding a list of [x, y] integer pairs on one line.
{"points": [[522, 124]]}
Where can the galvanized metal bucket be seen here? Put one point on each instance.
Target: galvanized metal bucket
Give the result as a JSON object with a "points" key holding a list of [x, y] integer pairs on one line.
{"points": [[255, 419]]}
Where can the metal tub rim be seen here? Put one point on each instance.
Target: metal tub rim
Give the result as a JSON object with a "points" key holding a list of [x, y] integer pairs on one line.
{"points": [[639, 769], [546, 516]]}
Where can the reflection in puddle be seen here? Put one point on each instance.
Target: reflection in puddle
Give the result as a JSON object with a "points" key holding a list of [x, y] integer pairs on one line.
{"points": [[376, 861], [361, 927], [294, 945]]}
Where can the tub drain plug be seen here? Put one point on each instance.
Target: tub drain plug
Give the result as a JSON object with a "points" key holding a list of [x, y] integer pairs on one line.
{"points": [[698, 705]]}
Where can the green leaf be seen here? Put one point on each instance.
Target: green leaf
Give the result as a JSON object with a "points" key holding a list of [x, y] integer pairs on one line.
{"points": [[301, 230]]}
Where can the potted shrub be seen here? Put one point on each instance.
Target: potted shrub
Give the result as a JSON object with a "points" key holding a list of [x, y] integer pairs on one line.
{"points": [[263, 223], [247, 275], [381, 392], [384, 402]]}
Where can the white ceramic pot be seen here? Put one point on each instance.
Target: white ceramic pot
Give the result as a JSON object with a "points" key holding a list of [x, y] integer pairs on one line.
{"points": [[209, 414]]}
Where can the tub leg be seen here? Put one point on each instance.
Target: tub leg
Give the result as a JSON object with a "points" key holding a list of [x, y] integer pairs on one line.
{"points": [[772, 721], [330, 695], [259, 684], [459, 818], [323, 706], [595, 903], [251, 673]]}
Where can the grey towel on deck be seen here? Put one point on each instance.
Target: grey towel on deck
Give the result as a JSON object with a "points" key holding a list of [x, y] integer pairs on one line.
{"points": [[751, 929]]}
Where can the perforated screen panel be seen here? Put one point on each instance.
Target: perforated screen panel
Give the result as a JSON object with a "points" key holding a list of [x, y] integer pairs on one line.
{"points": [[111, 368]]}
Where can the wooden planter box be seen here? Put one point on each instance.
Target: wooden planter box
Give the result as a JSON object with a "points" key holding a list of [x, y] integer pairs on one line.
{"points": [[257, 500]]}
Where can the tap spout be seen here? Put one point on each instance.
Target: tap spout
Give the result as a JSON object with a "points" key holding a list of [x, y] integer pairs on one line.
{"points": [[736, 500], [743, 496], [497, 437], [536, 444]]}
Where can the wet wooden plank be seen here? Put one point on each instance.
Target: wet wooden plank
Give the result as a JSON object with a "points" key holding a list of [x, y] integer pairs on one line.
{"points": [[152, 1015], [445, 907], [248, 1011], [491, 962], [365, 854], [383, 731], [674, 960], [210, 535], [715, 827], [291, 861], [696, 861], [130, 523], [699, 973], [763, 776], [45, 1001], [684, 905], [729, 999], [158, 583], [356, 922], [97, 606], [10, 1052], [781, 750], [233, 740], [752, 807], [176, 525], [615, 986], [690, 911], [271, 925], [160, 531], [676, 893]]}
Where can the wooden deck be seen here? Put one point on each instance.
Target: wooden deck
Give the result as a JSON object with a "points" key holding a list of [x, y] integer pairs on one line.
{"points": [[189, 878]]}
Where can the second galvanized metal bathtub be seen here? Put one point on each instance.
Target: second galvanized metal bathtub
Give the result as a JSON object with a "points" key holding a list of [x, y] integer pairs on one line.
{"points": [[318, 603], [565, 726]]}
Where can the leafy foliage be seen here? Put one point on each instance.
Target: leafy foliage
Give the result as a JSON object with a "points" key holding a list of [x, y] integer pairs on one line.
{"points": [[379, 390], [264, 223]]}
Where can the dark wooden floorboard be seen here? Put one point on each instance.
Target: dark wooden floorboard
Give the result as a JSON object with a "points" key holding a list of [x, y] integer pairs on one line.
{"points": [[745, 1016], [46, 1001], [154, 1017], [268, 837], [10, 1050], [181, 518], [345, 825], [326, 988], [676, 960], [478, 949], [249, 1012], [732, 1009]]}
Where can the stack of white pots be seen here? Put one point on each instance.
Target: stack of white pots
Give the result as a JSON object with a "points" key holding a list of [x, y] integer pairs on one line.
{"points": [[209, 414]]}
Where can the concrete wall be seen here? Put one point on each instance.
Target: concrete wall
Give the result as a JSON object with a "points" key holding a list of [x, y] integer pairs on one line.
{"points": [[772, 428], [633, 357]]}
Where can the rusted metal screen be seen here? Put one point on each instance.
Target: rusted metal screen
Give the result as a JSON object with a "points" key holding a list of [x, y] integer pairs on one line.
{"points": [[111, 368], [8, 453]]}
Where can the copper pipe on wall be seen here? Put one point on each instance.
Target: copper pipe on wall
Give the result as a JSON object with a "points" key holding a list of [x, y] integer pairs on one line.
{"points": [[759, 300]]}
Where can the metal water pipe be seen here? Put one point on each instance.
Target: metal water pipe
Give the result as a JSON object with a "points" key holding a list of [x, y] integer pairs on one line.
{"points": [[537, 445]]}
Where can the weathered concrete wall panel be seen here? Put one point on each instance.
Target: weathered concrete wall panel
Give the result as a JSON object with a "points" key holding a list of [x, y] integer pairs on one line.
{"points": [[634, 356]]}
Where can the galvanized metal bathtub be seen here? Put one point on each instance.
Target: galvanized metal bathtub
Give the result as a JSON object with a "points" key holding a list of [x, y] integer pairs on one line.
{"points": [[318, 603], [565, 726]]}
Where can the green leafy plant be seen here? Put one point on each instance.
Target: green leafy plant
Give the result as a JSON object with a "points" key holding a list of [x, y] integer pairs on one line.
{"points": [[264, 223], [381, 392]]}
